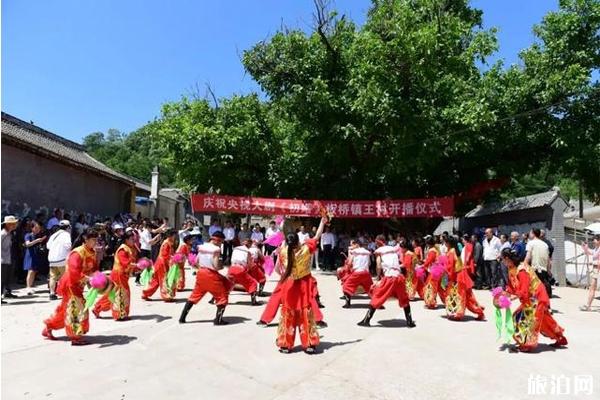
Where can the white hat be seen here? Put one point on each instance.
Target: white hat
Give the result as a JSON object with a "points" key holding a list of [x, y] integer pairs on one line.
{"points": [[195, 232], [64, 222], [10, 219], [117, 226]]}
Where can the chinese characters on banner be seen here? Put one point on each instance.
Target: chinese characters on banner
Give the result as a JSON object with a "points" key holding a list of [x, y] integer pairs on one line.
{"points": [[408, 208]]}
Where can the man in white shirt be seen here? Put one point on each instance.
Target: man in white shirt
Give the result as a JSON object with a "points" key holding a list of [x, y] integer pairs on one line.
{"points": [[238, 273], [271, 230], [491, 254], [59, 247], [209, 280], [393, 283], [229, 233], [359, 260], [302, 235], [327, 245], [257, 235], [538, 257]]}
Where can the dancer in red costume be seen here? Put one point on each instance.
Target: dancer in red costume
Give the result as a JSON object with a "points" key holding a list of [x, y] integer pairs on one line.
{"points": [[418, 250], [359, 259], [241, 262], [274, 302], [161, 268], [432, 287], [459, 293], [209, 280], [184, 248], [392, 284], [298, 293], [255, 269], [409, 262], [532, 317], [123, 267], [71, 313]]}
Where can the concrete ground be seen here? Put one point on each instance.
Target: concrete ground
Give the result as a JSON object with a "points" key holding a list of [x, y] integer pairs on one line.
{"points": [[152, 356]]}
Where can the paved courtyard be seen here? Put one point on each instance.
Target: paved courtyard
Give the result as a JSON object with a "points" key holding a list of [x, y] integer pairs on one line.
{"points": [[151, 356]]}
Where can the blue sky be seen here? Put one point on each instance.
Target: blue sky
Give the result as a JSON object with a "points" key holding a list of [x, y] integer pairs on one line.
{"points": [[81, 66]]}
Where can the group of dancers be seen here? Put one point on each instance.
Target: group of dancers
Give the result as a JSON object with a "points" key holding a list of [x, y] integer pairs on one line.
{"points": [[401, 273]]}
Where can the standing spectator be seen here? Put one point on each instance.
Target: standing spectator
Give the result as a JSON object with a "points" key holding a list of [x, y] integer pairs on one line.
{"points": [[244, 233], [478, 260], [257, 235], [147, 240], [548, 242], [59, 246], [491, 255], [517, 246], [538, 257], [114, 242], [327, 245], [8, 225], [595, 273], [302, 235], [80, 226], [186, 227], [229, 233], [504, 244], [32, 263], [57, 216], [214, 227], [271, 230], [197, 240]]}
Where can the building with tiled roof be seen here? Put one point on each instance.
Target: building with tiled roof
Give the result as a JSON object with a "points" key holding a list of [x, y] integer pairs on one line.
{"points": [[42, 170]]}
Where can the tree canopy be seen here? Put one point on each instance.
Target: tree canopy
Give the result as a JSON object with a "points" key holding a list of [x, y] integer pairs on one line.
{"points": [[406, 105]]}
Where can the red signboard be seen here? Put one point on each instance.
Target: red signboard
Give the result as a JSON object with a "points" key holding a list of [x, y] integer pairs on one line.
{"points": [[408, 208]]}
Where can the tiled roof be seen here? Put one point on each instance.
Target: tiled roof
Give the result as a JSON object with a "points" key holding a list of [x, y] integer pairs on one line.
{"points": [[520, 203], [37, 139]]}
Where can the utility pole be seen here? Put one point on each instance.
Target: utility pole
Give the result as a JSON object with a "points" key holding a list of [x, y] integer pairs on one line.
{"points": [[580, 200]]}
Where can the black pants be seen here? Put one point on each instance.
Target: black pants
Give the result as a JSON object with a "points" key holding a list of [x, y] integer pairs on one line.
{"points": [[6, 279], [479, 279], [328, 257], [490, 273], [545, 277], [269, 249], [227, 250]]}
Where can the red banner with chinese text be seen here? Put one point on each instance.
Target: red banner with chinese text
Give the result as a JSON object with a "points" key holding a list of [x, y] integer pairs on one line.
{"points": [[408, 208]]}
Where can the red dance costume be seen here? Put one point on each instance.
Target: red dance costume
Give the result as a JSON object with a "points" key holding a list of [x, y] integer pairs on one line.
{"points": [[274, 302], [185, 250], [393, 283], [159, 278], [432, 287], [256, 269], [459, 293], [122, 269], [356, 274], [532, 317], [208, 278], [241, 260], [71, 313], [409, 262], [298, 300]]}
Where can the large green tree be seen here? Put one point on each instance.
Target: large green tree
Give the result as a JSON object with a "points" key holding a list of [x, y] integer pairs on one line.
{"points": [[405, 105], [135, 154]]}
